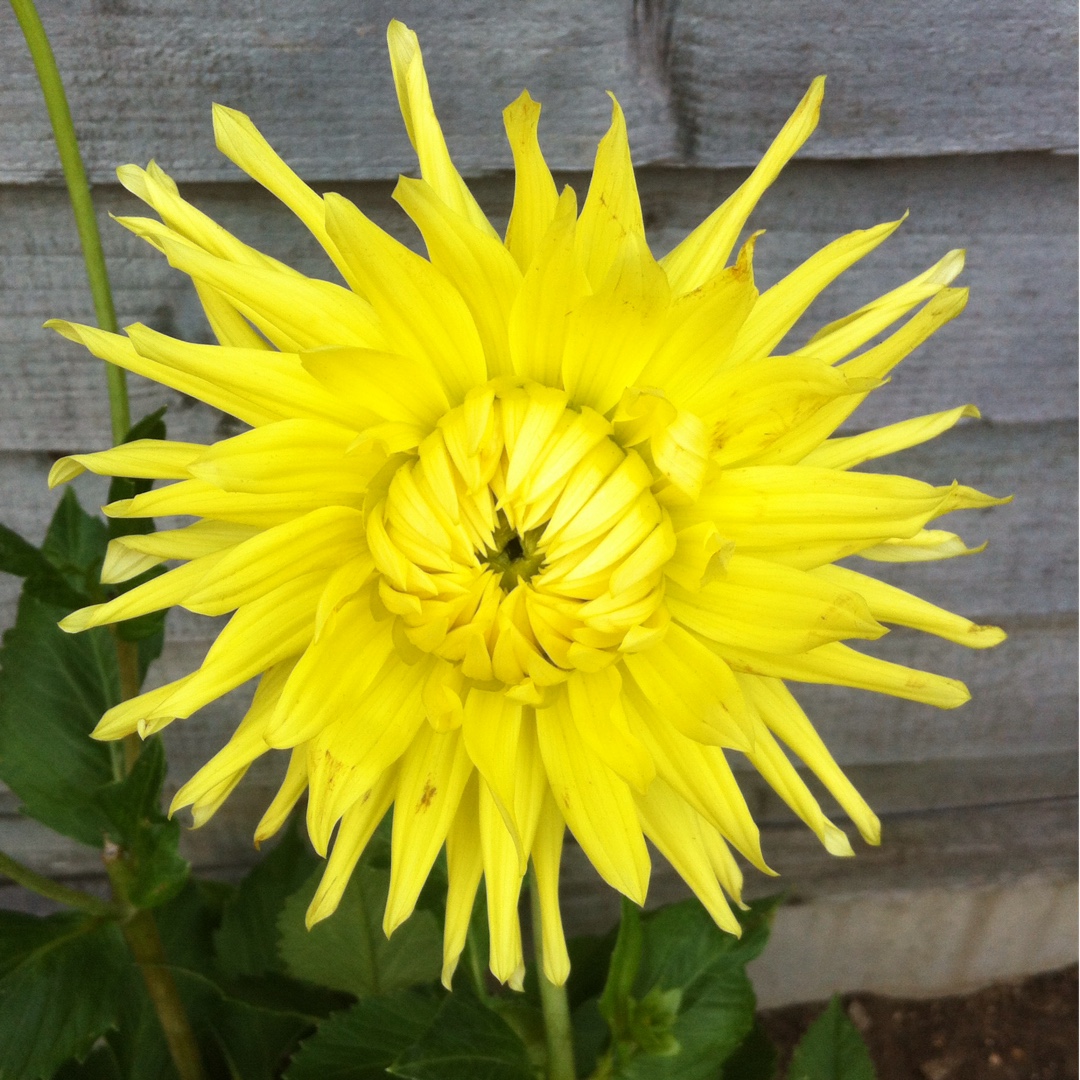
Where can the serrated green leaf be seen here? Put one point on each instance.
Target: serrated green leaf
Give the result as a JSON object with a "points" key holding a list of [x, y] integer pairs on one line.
{"points": [[831, 1049], [362, 1042], [466, 1041], [756, 1058], [53, 689], [246, 941], [49, 1009], [19, 557], [348, 951], [149, 868]]}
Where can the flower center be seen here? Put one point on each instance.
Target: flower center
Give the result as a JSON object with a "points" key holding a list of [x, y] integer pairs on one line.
{"points": [[515, 558], [520, 542]]}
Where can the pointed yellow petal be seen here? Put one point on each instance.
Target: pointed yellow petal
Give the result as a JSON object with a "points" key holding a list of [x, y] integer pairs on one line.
{"points": [[433, 776], [288, 795], [546, 860], [553, 284], [423, 128], [481, 268], [357, 825], [152, 459], [420, 311], [853, 450], [837, 665], [675, 830], [706, 249], [893, 605], [464, 867], [779, 308], [503, 874], [596, 804], [535, 194], [699, 696], [785, 718], [759, 604], [612, 210]]}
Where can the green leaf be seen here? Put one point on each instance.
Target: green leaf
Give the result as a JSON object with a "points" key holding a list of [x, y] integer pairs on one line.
{"points": [[53, 689], [59, 990], [348, 951], [832, 1049], [466, 1041], [756, 1058], [100, 1064], [690, 1004], [362, 1042], [246, 941], [149, 868], [75, 545]]}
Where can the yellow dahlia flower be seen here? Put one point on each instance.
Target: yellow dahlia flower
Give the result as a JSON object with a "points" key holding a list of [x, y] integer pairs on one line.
{"points": [[526, 534]]}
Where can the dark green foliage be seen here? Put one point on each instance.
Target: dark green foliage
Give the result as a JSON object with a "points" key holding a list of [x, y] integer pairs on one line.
{"points": [[832, 1049], [60, 989], [148, 869], [349, 951]]}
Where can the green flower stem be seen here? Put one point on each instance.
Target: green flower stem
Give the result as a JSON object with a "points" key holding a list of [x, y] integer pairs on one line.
{"points": [[81, 203], [141, 934], [53, 890], [558, 1031]]}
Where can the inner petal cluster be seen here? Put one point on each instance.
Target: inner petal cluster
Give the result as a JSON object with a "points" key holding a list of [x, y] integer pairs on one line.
{"points": [[521, 542]]}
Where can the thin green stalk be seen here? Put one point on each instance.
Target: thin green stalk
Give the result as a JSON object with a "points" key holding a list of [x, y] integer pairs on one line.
{"points": [[558, 1031], [141, 934], [53, 890], [139, 927], [81, 202]]}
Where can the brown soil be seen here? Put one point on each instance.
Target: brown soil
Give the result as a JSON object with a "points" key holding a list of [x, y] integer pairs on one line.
{"points": [[1024, 1030]]}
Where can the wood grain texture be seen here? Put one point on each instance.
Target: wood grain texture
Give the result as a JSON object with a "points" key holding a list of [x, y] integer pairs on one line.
{"points": [[702, 81], [1012, 351]]}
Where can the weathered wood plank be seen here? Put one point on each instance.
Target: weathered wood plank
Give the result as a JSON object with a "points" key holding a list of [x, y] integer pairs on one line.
{"points": [[702, 83], [1012, 352], [970, 847]]}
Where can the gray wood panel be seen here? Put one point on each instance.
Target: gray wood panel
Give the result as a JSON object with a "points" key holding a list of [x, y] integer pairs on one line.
{"points": [[1012, 351], [702, 81]]}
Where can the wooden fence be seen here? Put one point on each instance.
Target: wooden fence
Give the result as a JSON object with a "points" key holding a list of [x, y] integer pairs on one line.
{"points": [[962, 112]]}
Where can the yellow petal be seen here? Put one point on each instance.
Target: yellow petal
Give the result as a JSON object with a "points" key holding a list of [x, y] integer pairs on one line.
{"points": [[700, 696], [705, 250], [422, 314], [845, 453], [433, 776], [481, 268], [357, 825], [152, 459], [779, 308], [893, 605], [503, 874], [837, 665], [464, 867], [612, 211], [535, 194], [758, 604], [546, 860], [596, 804], [785, 718], [422, 126], [675, 830]]}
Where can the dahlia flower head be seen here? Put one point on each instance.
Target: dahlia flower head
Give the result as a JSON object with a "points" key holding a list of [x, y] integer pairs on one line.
{"points": [[528, 534]]}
